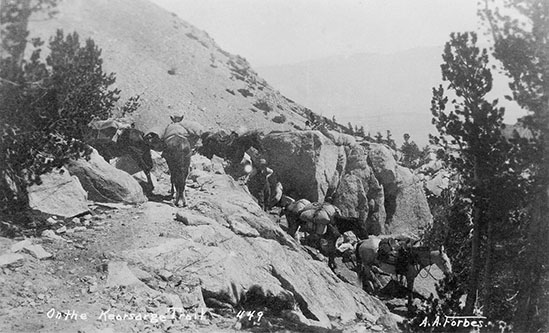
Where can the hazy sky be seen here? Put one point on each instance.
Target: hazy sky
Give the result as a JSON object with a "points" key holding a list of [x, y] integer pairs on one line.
{"points": [[271, 32]]}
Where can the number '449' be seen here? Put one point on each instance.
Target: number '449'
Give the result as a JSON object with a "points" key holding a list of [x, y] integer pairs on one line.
{"points": [[250, 315]]}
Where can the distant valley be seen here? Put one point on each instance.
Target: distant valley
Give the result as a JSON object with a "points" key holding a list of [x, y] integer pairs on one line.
{"points": [[379, 92]]}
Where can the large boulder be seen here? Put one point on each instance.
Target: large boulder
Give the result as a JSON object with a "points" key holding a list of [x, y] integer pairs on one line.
{"points": [[59, 194], [128, 164], [406, 205], [408, 211], [306, 162], [359, 193], [384, 166], [237, 254], [342, 139], [104, 182]]}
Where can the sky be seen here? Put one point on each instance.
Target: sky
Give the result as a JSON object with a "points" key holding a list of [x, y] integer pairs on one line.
{"points": [[275, 32]]}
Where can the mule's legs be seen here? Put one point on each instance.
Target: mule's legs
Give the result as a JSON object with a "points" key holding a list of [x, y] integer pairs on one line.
{"points": [[293, 226], [266, 195], [177, 198], [182, 181], [368, 280], [144, 161], [410, 287], [332, 251]]}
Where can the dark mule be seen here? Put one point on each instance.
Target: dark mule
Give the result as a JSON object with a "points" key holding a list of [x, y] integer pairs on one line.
{"points": [[177, 152], [112, 140], [231, 147], [217, 143], [419, 258], [325, 223]]}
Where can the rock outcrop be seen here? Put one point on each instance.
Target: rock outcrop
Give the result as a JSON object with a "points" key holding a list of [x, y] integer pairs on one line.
{"points": [[105, 183], [59, 194], [229, 247], [405, 201], [363, 180], [360, 194], [305, 162], [408, 211]]}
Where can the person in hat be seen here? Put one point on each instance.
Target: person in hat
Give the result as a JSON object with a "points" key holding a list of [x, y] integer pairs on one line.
{"points": [[261, 176]]}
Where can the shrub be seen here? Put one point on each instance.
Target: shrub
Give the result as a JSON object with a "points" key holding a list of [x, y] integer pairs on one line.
{"points": [[263, 106], [45, 111], [280, 119]]}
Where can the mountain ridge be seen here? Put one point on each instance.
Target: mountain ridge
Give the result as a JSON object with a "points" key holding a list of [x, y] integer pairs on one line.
{"points": [[175, 67]]}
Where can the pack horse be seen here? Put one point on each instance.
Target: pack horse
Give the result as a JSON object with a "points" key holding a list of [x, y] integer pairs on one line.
{"points": [[416, 259]]}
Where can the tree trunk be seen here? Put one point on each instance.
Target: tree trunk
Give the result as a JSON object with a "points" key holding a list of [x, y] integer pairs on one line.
{"points": [[488, 266], [472, 287], [475, 264]]}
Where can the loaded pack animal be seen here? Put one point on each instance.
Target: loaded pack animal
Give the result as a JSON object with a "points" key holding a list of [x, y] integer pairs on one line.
{"points": [[114, 139], [192, 129], [231, 147], [177, 151], [324, 222], [408, 261]]}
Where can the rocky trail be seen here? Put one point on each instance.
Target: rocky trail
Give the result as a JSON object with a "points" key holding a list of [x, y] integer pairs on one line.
{"points": [[219, 265]]}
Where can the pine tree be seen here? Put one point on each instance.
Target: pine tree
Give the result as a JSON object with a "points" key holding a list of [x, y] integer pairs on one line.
{"points": [[410, 153], [45, 109], [470, 134], [379, 137], [390, 142], [351, 129], [521, 44]]}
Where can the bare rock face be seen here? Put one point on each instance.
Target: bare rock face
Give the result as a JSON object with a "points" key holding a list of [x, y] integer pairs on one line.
{"points": [[384, 166], [242, 256], [359, 193], [363, 181], [59, 194], [405, 201], [411, 212], [105, 183], [305, 162]]}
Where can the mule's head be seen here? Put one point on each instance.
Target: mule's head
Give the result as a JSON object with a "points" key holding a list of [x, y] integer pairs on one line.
{"points": [[154, 141], [250, 139]]}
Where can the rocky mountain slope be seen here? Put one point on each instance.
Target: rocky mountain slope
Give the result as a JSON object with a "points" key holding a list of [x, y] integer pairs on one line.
{"points": [[174, 67], [220, 255]]}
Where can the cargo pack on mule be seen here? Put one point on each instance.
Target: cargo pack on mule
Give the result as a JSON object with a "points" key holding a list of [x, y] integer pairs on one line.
{"points": [[176, 145], [316, 217], [396, 252], [324, 222], [396, 256], [113, 138]]}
